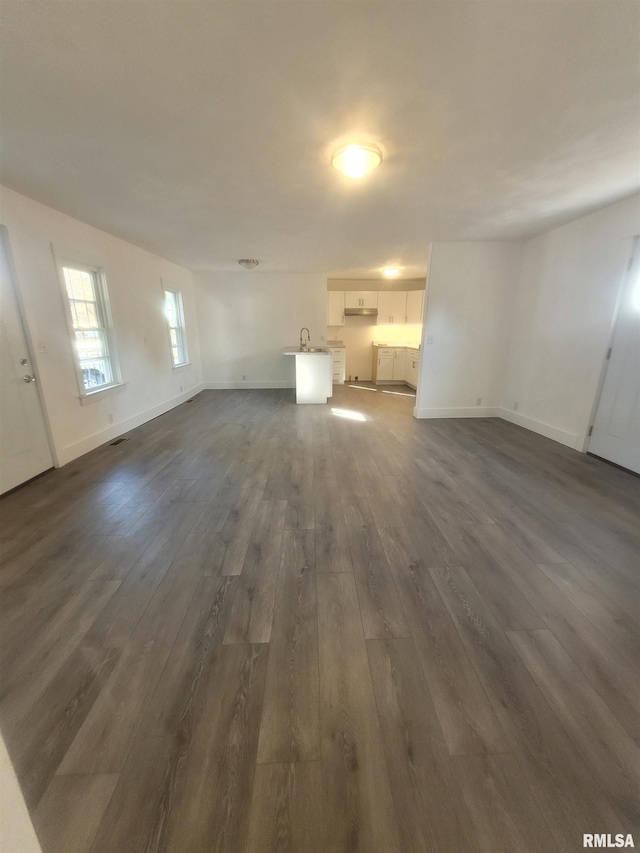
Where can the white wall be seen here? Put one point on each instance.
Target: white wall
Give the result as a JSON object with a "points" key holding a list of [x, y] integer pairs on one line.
{"points": [[247, 318], [16, 830], [563, 314], [470, 294], [134, 283]]}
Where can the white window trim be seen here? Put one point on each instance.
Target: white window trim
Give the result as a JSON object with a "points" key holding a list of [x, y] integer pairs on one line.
{"points": [[185, 343], [96, 393], [89, 395]]}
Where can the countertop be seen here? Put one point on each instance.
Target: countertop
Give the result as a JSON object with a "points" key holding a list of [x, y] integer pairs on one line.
{"points": [[399, 346], [311, 351]]}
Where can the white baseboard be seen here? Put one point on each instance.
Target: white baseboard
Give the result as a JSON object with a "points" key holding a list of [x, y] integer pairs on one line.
{"points": [[569, 439], [469, 412], [72, 451], [255, 384]]}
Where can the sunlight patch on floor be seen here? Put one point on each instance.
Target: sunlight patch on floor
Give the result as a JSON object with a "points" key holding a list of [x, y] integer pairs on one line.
{"points": [[346, 413]]}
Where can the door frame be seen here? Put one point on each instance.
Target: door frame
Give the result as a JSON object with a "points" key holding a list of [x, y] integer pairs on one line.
{"points": [[635, 250], [5, 241]]}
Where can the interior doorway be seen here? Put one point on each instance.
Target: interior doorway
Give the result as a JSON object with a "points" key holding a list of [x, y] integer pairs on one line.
{"points": [[24, 443], [615, 433]]}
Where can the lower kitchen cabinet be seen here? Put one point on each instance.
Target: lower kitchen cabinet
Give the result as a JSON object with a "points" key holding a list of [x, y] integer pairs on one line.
{"points": [[412, 367], [338, 364], [396, 365], [383, 358], [399, 362]]}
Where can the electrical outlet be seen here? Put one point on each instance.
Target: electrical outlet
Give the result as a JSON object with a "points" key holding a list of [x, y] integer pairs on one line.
{"points": [[429, 339], [244, 376], [322, 338], [110, 419], [478, 401], [181, 389], [515, 406]]}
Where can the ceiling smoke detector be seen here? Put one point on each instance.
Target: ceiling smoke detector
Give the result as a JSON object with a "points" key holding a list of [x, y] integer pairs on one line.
{"points": [[248, 263]]}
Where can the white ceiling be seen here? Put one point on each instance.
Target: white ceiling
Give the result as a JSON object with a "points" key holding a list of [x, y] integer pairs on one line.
{"points": [[202, 130]]}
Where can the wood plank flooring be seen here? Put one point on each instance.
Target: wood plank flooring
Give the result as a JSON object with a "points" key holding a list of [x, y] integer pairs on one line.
{"points": [[256, 627]]}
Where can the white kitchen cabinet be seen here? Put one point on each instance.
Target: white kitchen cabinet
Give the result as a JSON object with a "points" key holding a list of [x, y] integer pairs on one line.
{"points": [[361, 299], [335, 307], [338, 356], [399, 362], [392, 307], [415, 306], [383, 358], [395, 365], [385, 369], [412, 367]]}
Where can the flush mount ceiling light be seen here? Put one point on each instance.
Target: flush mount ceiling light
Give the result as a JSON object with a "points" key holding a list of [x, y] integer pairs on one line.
{"points": [[248, 263], [356, 161], [391, 272]]}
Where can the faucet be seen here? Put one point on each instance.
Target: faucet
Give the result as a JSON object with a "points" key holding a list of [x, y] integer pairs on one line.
{"points": [[304, 345]]}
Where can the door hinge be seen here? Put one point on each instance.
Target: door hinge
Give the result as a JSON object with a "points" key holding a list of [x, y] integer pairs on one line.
{"points": [[609, 353], [589, 432]]}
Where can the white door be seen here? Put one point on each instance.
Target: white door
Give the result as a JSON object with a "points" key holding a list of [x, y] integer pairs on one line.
{"points": [[616, 429], [24, 445]]}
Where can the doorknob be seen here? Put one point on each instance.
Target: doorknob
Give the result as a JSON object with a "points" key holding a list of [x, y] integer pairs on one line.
{"points": [[29, 378]]}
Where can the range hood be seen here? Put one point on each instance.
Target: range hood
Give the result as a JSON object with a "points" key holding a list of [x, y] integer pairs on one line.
{"points": [[360, 312]]}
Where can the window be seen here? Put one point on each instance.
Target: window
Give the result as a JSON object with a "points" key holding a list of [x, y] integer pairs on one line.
{"points": [[91, 327], [177, 331]]}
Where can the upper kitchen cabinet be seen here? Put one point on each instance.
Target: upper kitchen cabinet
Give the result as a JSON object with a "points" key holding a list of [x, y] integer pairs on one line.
{"points": [[335, 307], [361, 299], [415, 306], [392, 307]]}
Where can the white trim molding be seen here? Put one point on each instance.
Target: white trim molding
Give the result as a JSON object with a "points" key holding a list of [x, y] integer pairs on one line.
{"points": [[458, 412], [569, 439], [72, 451], [248, 383]]}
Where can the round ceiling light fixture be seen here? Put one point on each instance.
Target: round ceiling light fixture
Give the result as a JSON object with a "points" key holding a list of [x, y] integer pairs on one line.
{"points": [[391, 272], [356, 161], [248, 263]]}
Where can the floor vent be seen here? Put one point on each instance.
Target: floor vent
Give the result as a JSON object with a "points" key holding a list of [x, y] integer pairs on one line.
{"points": [[117, 441]]}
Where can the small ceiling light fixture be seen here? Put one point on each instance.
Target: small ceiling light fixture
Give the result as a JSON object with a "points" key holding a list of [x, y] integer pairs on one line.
{"points": [[248, 263], [356, 161], [391, 272]]}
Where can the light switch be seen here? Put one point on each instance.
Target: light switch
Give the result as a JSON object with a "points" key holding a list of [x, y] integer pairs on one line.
{"points": [[429, 339]]}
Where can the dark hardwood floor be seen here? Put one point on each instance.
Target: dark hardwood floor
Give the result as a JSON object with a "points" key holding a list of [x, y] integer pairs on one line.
{"points": [[256, 627]]}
